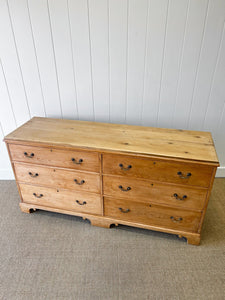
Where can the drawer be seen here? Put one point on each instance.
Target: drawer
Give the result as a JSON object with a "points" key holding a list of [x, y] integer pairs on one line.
{"points": [[142, 190], [153, 215], [58, 178], [156, 169], [62, 199], [80, 160]]}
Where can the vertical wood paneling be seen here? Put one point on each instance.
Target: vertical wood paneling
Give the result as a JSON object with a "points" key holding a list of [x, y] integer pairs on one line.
{"points": [[214, 113], [177, 14], [117, 59], [137, 22], [150, 62], [154, 53], [98, 18], [26, 53], [192, 45], [80, 40], [5, 165], [11, 67], [219, 138], [7, 117], [58, 10], [207, 63], [45, 55], [7, 124]]}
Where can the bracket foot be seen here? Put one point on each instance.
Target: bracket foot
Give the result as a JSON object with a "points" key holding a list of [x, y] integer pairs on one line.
{"points": [[100, 222], [26, 208]]}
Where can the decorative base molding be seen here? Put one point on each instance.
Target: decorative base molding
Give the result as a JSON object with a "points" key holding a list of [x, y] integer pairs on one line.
{"points": [[106, 222]]}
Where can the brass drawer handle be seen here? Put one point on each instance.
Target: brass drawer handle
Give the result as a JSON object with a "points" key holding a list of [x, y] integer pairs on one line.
{"points": [[38, 196], [183, 176], [124, 190], [79, 183], [27, 155], [33, 174], [176, 220], [125, 169], [124, 210], [83, 203], [77, 162], [179, 198]]}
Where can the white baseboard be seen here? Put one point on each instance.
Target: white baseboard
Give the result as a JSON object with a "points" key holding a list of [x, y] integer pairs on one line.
{"points": [[7, 174], [220, 172]]}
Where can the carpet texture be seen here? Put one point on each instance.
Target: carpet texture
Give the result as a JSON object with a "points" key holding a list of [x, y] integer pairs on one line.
{"points": [[47, 255]]}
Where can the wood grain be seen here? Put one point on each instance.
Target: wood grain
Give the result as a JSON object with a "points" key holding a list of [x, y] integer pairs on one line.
{"points": [[57, 178], [156, 169], [61, 199], [54, 157], [133, 139], [152, 214], [147, 189], [154, 192]]}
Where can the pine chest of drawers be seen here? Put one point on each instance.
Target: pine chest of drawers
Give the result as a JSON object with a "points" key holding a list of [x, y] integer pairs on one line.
{"points": [[158, 179]]}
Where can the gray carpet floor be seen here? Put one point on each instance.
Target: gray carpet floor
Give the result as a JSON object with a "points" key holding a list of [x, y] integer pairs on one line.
{"points": [[47, 255]]}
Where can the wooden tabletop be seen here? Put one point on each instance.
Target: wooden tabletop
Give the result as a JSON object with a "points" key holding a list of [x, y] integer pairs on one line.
{"points": [[183, 144]]}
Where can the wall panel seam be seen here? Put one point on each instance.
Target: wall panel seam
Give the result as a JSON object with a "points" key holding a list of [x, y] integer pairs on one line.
{"points": [[90, 52], [181, 62], [197, 69], [127, 53], [73, 63], [7, 88], [221, 117], [54, 56], [35, 53], [163, 60], [214, 73], [109, 79], [17, 54], [146, 49], [2, 130]]}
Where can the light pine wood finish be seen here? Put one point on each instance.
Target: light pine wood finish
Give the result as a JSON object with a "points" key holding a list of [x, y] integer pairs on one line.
{"points": [[106, 222], [160, 167], [156, 169], [62, 199], [152, 214], [55, 177], [55, 157], [156, 192], [174, 143]]}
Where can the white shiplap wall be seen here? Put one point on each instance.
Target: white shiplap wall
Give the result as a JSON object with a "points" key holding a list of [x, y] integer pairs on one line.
{"points": [[146, 62]]}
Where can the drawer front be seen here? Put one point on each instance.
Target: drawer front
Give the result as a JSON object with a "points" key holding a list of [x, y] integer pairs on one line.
{"points": [[142, 190], [153, 215], [58, 178], [160, 170], [80, 160], [57, 198]]}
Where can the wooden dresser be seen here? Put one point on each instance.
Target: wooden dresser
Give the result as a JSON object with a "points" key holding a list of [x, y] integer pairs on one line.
{"points": [[158, 179]]}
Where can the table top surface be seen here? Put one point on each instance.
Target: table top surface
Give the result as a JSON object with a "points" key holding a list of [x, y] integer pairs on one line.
{"points": [[176, 143]]}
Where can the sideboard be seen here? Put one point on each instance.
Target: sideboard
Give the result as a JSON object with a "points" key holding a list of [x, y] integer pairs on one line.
{"points": [[153, 178]]}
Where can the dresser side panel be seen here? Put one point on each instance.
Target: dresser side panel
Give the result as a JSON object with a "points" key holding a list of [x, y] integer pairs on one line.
{"points": [[207, 200]]}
